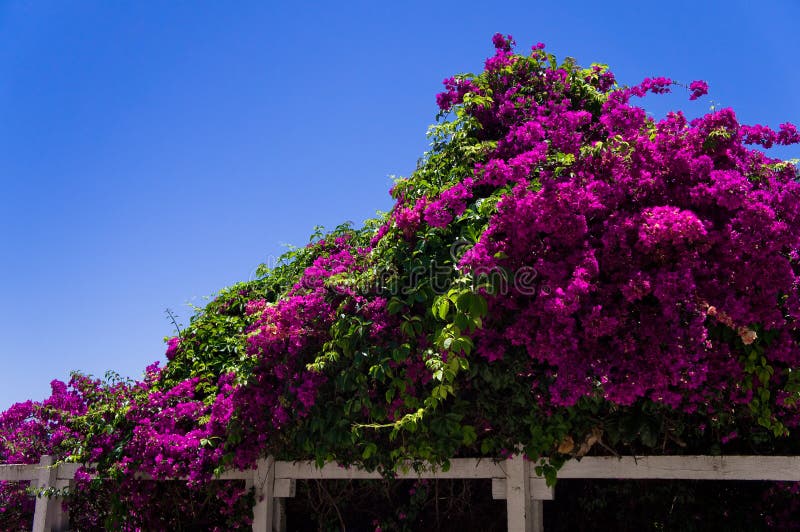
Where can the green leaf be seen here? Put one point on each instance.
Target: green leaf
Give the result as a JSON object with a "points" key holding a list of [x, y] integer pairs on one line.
{"points": [[441, 308], [369, 450]]}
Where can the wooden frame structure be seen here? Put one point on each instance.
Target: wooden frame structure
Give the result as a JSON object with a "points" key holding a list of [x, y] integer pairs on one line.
{"points": [[513, 479]]}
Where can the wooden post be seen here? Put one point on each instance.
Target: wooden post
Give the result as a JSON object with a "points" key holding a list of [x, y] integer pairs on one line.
{"points": [[519, 506], [537, 516], [57, 516], [279, 515], [285, 488], [264, 483], [46, 479]]}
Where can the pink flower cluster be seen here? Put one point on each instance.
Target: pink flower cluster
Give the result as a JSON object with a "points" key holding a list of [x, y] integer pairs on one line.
{"points": [[632, 244]]}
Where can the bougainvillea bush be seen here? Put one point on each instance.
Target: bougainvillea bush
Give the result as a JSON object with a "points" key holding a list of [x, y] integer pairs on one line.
{"points": [[563, 274]]}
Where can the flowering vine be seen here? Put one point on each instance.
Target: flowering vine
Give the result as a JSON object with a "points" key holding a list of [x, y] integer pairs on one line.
{"points": [[561, 268]]}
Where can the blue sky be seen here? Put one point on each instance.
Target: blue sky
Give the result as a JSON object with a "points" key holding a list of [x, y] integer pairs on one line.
{"points": [[154, 152]]}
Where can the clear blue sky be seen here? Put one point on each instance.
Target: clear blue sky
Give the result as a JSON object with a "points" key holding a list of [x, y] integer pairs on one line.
{"points": [[154, 152]]}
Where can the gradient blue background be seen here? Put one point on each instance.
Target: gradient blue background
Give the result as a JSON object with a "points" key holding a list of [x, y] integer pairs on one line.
{"points": [[152, 153]]}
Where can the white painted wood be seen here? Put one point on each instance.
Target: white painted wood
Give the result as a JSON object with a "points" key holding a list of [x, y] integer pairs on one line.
{"points": [[537, 515], [231, 474], [279, 515], [518, 495], [785, 468], [285, 487], [539, 489], [57, 516], [499, 489], [690, 467], [18, 472], [67, 471], [264, 496], [460, 468], [235, 474], [45, 479], [276, 480]]}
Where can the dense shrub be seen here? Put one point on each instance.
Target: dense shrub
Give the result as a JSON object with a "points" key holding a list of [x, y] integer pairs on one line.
{"points": [[562, 274]]}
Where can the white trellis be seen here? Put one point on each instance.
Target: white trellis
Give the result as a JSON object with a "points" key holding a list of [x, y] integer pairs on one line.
{"points": [[513, 480]]}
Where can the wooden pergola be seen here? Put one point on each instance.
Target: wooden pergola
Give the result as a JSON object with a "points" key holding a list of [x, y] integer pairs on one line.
{"points": [[513, 479]]}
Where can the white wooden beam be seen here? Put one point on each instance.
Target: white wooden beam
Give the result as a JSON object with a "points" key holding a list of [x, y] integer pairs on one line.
{"points": [[460, 468], [67, 471], [540, 491], [285, 487], [235, 474], [783, 468], [18, 472]]}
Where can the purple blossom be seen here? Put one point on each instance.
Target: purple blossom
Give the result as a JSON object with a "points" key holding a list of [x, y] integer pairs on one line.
{"points": [[173, 344], [698, 88]]}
